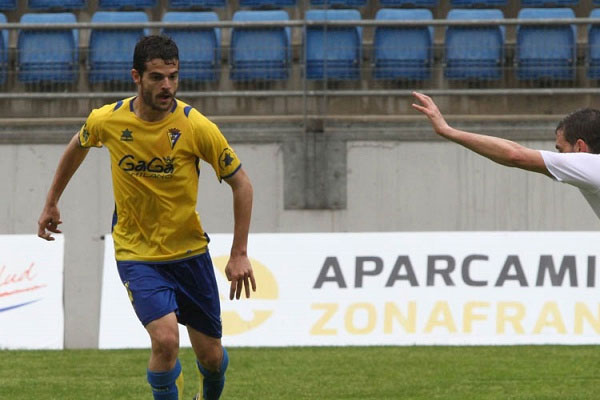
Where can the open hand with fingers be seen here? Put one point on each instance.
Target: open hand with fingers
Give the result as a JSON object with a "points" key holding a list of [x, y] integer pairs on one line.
{"points": [[48, 223], [428, 107], [239, 273]]}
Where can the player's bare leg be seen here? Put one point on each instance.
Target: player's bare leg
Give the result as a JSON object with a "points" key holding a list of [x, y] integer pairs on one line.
{"points": [[164, 370], [212, 361]]}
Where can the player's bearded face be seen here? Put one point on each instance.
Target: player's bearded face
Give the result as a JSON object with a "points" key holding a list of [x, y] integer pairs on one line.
{"points": [[159, 84]]}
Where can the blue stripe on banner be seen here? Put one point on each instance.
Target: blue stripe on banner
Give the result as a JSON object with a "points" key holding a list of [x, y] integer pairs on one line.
{"points": [[18, 305]]}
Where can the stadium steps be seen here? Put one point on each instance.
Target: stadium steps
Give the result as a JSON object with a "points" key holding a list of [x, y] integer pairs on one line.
{"points": [[262, 129]]}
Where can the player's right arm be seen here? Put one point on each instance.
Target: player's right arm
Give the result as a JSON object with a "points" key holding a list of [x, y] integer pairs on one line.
{"points": [[502, 151], [69, 163]]}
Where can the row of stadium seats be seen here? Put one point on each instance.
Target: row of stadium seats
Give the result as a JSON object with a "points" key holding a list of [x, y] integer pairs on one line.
{"points": [[141, 4], [332, 52]]}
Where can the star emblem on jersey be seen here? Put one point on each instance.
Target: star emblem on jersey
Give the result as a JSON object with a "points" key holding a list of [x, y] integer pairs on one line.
{"points": [[227, 158], [86, 133], [173, 135], [127, 135]]}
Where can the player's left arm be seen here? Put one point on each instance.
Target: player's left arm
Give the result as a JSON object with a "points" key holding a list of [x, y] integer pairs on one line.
{"points": [[238, 269], [502, 151]]}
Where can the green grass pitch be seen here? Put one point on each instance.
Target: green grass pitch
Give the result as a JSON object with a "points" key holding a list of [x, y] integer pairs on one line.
{"points": [[503, 372]]}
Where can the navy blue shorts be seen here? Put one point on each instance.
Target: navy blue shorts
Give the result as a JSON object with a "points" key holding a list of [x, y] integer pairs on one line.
{"points": [[188, 287]]}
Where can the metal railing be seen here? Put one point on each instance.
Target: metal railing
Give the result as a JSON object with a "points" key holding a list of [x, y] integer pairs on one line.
{"points": [[297, 85]]}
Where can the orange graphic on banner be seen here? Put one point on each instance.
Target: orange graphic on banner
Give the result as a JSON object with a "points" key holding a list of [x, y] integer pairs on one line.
{"points": [[267, 289], [10, 279], [17, 291]]}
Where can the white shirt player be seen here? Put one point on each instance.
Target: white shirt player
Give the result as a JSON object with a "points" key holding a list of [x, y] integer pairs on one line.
{"points": [[578, 169], [575, 163]]}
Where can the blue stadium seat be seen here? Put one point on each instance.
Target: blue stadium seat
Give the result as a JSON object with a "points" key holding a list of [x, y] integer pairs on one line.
{"points": [[197, 3], [546, 51], [129, 4], [260, 53], [409, 3], [3, 50], [56, 4], [549, 3], [48, 55], [342, 3], [333, 53], [475, 52], [478, 3], [594, 47], [8, 4], [403, 52], [111, 50], [199, 48], [267, 3]]}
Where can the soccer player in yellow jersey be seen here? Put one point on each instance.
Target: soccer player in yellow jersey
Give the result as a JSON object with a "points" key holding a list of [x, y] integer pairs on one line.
{"points": [[156, 143]]}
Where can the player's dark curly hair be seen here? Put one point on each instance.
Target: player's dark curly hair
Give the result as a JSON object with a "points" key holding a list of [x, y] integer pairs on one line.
{"points": [[151, 47], [582, 124]]}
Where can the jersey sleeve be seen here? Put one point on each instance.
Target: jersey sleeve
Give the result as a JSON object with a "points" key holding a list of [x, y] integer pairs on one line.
{"points": [[89, 134], [213, 148], [578, 169]]}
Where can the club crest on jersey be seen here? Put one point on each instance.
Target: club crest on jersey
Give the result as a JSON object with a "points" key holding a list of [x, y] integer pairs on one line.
{"points": [[127, 135], [173, 135]]}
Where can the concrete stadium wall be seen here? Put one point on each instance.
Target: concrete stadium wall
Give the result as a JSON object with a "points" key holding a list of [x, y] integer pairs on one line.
{"points": [[391, 184]]}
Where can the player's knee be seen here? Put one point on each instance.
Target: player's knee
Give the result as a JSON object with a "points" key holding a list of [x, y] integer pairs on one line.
{"points": [[211, 359], [166, 344]]}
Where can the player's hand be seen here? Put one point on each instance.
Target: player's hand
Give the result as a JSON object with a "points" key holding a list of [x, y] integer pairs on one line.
{"points": [[239, 272], [430, 109], [48, 222]]}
